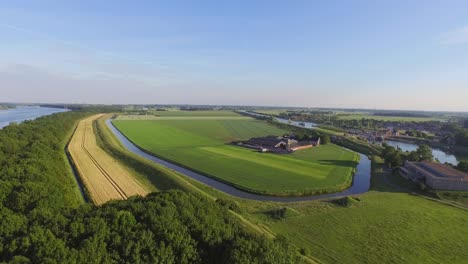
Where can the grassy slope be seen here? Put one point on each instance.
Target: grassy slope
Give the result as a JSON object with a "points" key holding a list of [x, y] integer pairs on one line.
{"points": [[387, 226], [200, 144], [458, 197]]}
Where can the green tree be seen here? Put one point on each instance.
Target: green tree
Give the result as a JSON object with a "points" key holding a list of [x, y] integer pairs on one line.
{"points": [[424, 153], [463, 166], [326, 139]]}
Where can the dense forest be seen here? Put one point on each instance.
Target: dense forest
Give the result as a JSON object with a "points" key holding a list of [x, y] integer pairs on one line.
{"points": [[44, 220]]}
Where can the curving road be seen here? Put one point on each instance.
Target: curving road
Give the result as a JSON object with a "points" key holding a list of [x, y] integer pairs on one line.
{"points": [[361, 180]]}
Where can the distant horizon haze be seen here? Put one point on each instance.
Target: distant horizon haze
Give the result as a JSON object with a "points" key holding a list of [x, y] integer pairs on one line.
{"points": [[410, 55], [237, 105]]}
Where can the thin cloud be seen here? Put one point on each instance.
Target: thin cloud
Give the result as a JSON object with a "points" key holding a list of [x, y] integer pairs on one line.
{"points": [[75, 45], [457, 36]]}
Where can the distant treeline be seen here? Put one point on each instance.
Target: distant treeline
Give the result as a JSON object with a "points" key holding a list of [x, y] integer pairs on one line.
{"points": [[196, 108], [87, 108], [42, 221], [53, 106], [400, 114]]}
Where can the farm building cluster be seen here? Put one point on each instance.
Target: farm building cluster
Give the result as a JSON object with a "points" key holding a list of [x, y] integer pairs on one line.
{"points": [[282, 144], [435, 175]]}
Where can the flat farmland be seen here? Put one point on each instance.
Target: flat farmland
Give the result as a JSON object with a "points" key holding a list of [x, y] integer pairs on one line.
{"points": [[194, 113], [202, 145], [103, 177]]}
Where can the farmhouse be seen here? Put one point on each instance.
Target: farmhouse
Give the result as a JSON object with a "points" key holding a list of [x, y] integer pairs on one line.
{"points": [[276, 144], [435, 175]]}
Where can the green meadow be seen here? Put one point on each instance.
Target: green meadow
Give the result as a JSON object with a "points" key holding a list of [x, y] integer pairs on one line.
{"points": [[194, 113], [385, 225], [202, 145]]}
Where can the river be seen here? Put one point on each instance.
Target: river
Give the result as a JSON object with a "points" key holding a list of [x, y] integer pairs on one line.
{"points": [[23, 113], [360, 184]]}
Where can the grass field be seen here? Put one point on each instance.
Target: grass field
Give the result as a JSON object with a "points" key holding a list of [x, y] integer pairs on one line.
{"points": [[180, 117], [385, 226], [104, 178], [275, 112], [194, 113], [201, 146]]}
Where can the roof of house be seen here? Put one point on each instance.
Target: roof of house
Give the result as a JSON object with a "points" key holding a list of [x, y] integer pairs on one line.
{"points": [[440, 170], [268, 141]]}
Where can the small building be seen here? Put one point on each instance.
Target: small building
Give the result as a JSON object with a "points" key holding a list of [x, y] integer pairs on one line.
{"points": [[276, 144], [435, 175]]}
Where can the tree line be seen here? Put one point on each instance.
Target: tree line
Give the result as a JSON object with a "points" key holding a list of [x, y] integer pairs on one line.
{"points": [[43, 220]]}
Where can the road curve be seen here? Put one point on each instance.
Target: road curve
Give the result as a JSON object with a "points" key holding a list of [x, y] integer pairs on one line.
{"points": [[361, 180]]}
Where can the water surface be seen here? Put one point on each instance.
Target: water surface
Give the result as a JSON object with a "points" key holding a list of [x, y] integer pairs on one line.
{"points": [[23, 113]]}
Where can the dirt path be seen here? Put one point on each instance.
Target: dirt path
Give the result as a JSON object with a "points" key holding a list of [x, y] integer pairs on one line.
{"points": [[103, 177]]}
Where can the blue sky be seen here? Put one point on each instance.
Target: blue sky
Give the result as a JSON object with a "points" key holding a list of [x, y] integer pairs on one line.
{"points": [[353, 54]]}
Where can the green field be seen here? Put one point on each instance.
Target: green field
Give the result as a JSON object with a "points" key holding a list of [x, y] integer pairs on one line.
{"points": [[194, 113], [386, 226], [275, 112], [202, 146]]}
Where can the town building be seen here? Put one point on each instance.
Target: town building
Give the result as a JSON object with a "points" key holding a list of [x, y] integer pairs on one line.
{"points": [[435, 175]]}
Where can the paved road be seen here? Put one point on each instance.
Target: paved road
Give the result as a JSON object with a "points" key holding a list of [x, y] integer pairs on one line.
{"points": [[361, 180]]}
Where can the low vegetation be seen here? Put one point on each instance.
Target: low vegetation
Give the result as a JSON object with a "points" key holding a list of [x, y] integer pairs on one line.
{"points": [[385, 225], [458, 197]]}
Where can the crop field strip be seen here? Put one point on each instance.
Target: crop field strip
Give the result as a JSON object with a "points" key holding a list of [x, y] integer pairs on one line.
{"points": [[102, 176], [100, 168]]}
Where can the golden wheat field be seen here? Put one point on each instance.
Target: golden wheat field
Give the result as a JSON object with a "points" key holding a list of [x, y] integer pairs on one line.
{"points": [[103, 177]]}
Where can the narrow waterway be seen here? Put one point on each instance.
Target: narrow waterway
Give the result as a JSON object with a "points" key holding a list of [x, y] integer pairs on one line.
{"points": [[360, 184]]}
